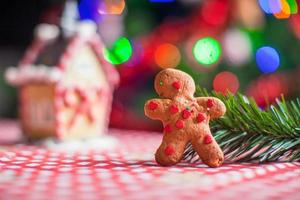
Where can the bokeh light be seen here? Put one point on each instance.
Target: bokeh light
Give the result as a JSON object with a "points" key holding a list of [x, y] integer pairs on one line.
{"points": [[285, 11], [281, 9], [266, 89], [293, 6], [111, 28], [295, 25], [267, 59], [215, 12], [88, 10], [167, 55], [237, 47], [264, 4], [119, 53], [111, 7], [189, 54], [275, 6], [207, 51], [248, 14], [225, 82]]}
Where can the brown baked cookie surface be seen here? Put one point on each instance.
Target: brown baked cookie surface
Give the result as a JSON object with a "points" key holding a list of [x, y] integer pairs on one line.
{"points": [[185, 119]]}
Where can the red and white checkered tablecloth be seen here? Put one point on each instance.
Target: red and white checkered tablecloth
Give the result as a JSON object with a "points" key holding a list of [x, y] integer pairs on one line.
{"points": [[130, 172]]}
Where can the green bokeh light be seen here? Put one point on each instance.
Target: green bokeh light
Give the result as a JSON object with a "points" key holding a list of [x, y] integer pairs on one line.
{"points": [[119, 53], [293, 6], [207, 51]]}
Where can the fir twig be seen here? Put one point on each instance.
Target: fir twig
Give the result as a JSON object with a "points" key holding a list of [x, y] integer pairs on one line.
{"points": [[248, 133]]}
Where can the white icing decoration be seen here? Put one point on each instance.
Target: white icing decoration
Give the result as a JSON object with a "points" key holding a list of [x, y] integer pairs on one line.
{"points": [[86, 29], [46, 32], [69, 18], [41, 73], [11, 75]]}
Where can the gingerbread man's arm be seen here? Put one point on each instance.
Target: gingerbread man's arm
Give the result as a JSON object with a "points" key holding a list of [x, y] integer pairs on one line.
{"points": [[156, 108], [215, 107]]}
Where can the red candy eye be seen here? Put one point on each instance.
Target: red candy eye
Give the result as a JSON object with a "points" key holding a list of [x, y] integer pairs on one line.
{"points": [[210, 103], [168, 128], [169, 150], [207, 139], [152, 105], [186, 114], [176, 85], [200, 117], [174, 109], [179, 124]]}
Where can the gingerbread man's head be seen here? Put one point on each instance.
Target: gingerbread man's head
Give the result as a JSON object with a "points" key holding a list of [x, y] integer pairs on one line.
{"points": [[171, 82]]}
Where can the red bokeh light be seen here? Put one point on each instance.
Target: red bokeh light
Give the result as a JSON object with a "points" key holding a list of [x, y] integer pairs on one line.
{"points": [[225, 82], [267, 88], [215, 12], [295, 24]]}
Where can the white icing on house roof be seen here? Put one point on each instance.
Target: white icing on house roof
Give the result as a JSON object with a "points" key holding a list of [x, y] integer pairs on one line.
{"points": [[47, 32], [86, 29], [30, 74]]}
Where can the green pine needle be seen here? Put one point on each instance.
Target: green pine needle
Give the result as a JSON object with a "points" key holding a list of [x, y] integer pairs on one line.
{"points": [[248, 133]]}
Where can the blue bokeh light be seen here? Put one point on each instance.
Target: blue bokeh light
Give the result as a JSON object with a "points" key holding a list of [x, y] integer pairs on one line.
{"points": [[88, 10], [264, 4], [270, 6], [267, 59]]}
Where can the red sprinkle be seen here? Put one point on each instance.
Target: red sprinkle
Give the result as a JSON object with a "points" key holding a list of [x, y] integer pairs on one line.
{"points": [[152, 105], [168, 128], [179, 124], [200, 117], [207, 139], [169, 150], [174, 109], [186, 114], [210, 103], [176, 85]]}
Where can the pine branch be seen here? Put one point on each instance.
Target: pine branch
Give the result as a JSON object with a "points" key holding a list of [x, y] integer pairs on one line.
{"points": [[248, 133]]}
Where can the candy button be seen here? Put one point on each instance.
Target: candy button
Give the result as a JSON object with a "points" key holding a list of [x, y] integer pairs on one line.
{"points": [[210, 103], [168, 128], [179, 124], [176, 85], [169, 150], [174, 109], [186, 114], [152, 105], [207, 139], [200, 117]]}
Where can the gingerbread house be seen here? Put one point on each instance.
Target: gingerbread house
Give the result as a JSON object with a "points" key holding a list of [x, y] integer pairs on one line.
{"points": [[65, 85]]}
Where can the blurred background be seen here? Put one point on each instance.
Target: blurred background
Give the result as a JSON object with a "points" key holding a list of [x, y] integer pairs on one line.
{"points": [[247, 46]]}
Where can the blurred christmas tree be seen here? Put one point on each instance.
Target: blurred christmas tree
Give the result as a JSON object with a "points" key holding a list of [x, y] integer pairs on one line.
{"points": [[250, 46], [237, 45]]}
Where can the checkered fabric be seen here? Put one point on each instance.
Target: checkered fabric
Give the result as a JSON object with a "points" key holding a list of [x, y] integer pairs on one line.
{"points": [[130, 172]]}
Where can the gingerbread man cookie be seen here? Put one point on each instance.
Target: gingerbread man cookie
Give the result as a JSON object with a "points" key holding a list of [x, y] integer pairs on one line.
{"points": [[185, 119]]}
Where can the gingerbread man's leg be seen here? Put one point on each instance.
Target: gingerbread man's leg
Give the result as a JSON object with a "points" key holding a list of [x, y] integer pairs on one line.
{"points": [[171, 149], [207, 148]]}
